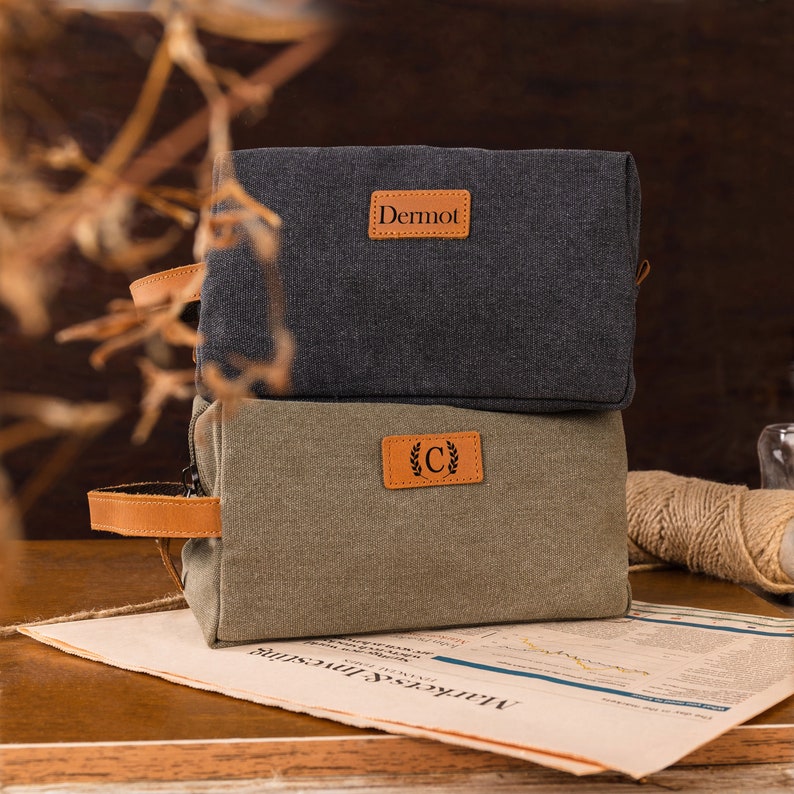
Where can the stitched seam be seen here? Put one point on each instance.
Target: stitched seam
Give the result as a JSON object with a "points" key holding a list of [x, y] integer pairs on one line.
{"points": [[210, 533], [451, 192], [178, 273], [115, 488], [453, 480], [389, 447], [441, 397], [164, 500]]}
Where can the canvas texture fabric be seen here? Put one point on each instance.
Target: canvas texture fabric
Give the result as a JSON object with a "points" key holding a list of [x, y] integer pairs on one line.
{"points": [[532, 311], [315, 544]]}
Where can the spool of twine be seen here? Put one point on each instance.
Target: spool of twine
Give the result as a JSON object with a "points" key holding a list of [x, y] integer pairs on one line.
{"points": [[727, 531]]}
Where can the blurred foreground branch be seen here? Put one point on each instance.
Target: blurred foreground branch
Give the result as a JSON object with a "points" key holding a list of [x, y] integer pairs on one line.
{"points": [[96, 213]]}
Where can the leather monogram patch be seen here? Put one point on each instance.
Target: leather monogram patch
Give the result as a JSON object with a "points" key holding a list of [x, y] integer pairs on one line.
{"points": [[419, 213], [436, 459]]}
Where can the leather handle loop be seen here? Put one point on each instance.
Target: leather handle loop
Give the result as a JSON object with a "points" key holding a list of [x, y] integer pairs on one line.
{"points": [[164, 545], [154, 510], [179, 285]]}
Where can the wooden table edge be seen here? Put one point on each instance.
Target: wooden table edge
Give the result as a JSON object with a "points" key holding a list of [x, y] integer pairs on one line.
{"points": [[327, 757], [331, 757]]}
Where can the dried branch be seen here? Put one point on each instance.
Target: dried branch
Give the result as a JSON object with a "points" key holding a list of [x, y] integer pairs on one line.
{"points": [[43, 417], [62, 416], [38, 224], [33, 247], [137, 125], [126, 327], [160, 385], [235, 23]]}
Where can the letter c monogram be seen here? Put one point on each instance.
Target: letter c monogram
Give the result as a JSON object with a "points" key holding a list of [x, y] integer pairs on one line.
{"points": [[427, 459]]}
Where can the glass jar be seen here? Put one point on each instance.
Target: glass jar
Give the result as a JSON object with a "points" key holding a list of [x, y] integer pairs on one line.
{"points": [[776, 455]]}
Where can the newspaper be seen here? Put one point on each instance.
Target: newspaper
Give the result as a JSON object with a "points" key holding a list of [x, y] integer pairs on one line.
{"points": [[632, 694]]}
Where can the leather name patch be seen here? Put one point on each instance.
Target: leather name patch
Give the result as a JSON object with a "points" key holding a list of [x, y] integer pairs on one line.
{"points": [[419, 213], [436, 459]]}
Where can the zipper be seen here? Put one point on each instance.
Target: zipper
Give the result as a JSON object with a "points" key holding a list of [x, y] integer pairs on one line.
{"points": [[190, 479], [190, 474]]}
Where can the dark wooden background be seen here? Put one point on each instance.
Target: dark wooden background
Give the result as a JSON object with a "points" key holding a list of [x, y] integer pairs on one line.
{"points": [[699, 90]]}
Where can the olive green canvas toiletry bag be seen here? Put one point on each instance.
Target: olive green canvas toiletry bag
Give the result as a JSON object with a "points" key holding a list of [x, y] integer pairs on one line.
{"points": [[339, 518]]}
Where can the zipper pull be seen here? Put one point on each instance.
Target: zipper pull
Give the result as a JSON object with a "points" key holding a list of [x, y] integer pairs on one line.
{"points": [[190, 479], [643, 269]]}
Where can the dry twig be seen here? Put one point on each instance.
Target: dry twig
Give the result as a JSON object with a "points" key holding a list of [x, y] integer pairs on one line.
{"points": [[39, 417], [38, 224]]}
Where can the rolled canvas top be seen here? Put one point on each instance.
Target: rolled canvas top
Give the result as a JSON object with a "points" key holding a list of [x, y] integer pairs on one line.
{"points": [[501, 280]]}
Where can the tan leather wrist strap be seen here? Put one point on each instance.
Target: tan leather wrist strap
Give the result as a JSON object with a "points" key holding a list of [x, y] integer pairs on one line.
{"points": [[158, 510], [154, 510], [180, 285]]}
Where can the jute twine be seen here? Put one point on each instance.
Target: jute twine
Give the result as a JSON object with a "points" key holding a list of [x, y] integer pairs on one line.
{"points": [[727, 531], [175, 601]]}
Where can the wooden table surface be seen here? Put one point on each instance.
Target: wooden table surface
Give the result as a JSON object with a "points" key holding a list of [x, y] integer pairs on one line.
{"points": [[65, 720]]}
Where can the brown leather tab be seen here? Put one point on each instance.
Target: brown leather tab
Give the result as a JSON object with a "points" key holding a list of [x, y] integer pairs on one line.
{"points": [[180, 285], [155, 510], [419, 213], [435, 459]]}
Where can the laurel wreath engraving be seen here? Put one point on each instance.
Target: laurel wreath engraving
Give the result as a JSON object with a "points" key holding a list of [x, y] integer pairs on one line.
{"points": [[416, 466], [453, 458]]}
